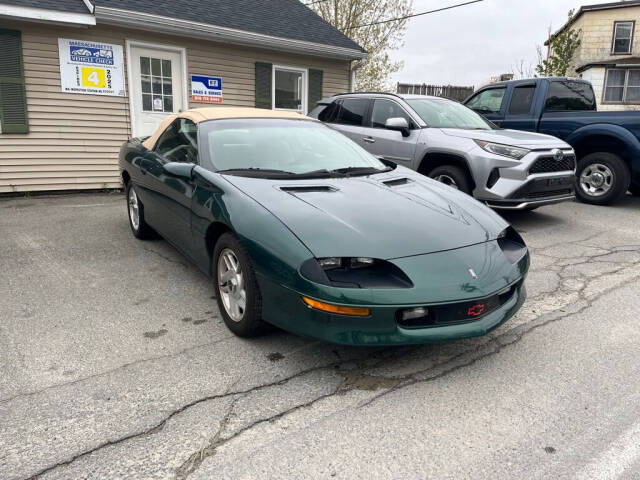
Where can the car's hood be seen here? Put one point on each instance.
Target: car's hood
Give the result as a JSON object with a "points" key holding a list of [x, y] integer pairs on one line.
{"points": [[509, 137], [364, 216]]}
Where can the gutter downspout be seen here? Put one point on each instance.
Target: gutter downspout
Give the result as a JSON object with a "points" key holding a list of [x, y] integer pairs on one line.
{"points": [[90, 6]]}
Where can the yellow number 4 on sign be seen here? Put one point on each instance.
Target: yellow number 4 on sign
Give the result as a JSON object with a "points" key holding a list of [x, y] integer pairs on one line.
{"points": [[94, 77]]}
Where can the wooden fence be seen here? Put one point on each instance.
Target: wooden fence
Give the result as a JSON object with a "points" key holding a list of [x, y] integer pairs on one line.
{"points": [[447, 91]]}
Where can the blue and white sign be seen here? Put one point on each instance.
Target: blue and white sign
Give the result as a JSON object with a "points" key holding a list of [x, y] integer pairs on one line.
{"points": [[93, 68], [206, 89]]}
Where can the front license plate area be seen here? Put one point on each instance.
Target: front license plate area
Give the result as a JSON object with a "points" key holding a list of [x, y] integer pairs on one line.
{"points": [[554, 182]]}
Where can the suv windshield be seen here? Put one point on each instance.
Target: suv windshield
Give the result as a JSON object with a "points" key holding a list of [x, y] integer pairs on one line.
{"points": [[442, 113], [276, 147]]}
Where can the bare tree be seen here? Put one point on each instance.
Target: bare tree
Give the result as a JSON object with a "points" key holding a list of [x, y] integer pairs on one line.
{"points": [[365, 21], [521, 70]]}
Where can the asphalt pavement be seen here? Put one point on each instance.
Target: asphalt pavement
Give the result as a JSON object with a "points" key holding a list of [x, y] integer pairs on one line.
{"points": [[115, 363]]}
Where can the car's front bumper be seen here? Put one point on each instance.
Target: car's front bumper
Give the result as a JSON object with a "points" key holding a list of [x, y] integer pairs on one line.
{"points": [[537, 179], [284, 308]]}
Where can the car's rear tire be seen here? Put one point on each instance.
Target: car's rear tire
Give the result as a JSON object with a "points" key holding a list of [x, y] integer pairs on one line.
{"points": [[634, 189], [237, 291], [601, 178], [135, 212], [452, 176]]}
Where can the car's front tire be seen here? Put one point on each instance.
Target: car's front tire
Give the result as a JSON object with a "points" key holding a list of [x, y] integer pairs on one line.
{"points": [[135, 211], [452, 176], [237, 291], [601, 178]]}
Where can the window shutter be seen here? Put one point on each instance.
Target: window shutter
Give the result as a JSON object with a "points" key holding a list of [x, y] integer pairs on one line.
{"points": [[13, 97], [263, 85], [315, 87]]}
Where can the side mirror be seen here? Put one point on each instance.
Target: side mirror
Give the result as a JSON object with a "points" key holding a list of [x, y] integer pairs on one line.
{"points": [[398, 123], [179, 169]]}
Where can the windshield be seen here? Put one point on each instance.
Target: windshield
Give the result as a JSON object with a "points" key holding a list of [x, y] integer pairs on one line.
{"points": [[447, 114], [267, 146]]}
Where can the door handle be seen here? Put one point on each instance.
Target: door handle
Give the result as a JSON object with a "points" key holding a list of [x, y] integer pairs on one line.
{"points": [[369, 140]]}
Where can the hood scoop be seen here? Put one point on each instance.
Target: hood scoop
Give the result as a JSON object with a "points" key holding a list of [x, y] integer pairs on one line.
{"points": [[396, 182], [309, 189]]}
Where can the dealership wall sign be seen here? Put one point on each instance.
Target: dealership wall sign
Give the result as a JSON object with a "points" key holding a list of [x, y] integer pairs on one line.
{"points": [[91, 68], [206, 89]]}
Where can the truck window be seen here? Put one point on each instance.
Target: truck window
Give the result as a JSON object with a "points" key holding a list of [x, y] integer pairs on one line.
{"points": [[488, 101], [521, 100], [568, 95]]}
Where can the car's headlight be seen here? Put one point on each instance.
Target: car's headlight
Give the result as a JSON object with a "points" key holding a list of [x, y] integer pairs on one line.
{"points": [[505, 150], [512, 244], [355, 272]]}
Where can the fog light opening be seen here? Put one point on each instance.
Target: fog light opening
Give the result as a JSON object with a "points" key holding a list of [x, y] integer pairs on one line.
{"points": [[413, 313]]}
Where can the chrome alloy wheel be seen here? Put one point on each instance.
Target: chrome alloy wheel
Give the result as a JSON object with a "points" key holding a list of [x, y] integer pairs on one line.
{"points": [[447, 180], [231, 285], [134, 209], [596, 179]]}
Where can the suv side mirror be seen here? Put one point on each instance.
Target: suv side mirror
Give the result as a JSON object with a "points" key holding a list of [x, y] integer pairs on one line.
{"points": [[398, 123]]}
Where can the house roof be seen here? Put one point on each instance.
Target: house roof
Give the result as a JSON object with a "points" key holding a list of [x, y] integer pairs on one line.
{"points": [[616, 62], [283, 19], [592, 8]]}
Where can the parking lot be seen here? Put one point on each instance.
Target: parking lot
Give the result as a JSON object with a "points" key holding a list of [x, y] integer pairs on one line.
{"points": [[116, 364]]}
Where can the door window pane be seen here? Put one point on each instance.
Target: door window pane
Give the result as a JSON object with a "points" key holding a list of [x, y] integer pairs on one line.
{"points": [[570, 95], [288, 89], [622, 35], [157, 81], [488, 101], [521, 100], [352, 111], [383, 110], [614, 88], [179, 142]]}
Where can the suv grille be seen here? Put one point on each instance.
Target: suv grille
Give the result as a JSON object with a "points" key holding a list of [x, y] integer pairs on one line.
{"points": [[548, 164], [549, 193]]}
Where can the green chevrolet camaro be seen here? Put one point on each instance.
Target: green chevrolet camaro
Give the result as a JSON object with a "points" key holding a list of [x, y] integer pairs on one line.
{"points": [[300, 227]]}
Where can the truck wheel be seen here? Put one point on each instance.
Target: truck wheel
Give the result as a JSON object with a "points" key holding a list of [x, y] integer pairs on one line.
{"points": [[455, 177], [601, 178]]}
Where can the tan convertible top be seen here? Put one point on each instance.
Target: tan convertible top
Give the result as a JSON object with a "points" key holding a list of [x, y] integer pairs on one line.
{"points": [[198, 115]]}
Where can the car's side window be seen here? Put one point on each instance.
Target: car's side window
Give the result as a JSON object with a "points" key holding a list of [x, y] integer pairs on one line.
{"points": [[488, 101], [328, 114], [521, 100], [384, 109], [179, 142], [352, 111]]}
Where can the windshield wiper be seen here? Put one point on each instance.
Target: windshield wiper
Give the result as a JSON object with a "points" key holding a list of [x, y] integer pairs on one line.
{"points": [[360, 170], [255, 170]]}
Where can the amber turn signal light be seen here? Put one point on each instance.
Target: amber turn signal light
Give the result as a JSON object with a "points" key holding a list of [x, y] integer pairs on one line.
{"points": [[327, 307]]}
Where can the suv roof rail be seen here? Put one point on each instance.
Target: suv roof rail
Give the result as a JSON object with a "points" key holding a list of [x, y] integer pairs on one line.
{"points": [[367, 93]]}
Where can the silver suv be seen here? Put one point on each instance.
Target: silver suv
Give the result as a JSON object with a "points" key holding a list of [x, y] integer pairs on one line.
{"points": [[449, 142]]}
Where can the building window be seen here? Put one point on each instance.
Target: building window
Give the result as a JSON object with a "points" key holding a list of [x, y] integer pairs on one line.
{"points": [[290, 89], [622, 37], [157, 87], [622, 85]]}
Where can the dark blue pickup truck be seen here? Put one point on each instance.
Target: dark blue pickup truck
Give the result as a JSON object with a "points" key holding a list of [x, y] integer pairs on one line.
{"points": [[607, 144]]}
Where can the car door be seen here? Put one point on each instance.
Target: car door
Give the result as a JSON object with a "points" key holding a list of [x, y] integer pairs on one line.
{"points": [[170, 194], [390, 144], [349, 118], [489, 103], [519, 113]]}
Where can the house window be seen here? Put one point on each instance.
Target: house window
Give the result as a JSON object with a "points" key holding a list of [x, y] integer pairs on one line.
{"points": [[622, 85], [622, 37], [290, 89]]}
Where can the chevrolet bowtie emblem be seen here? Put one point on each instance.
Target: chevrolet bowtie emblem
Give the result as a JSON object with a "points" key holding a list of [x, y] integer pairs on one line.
{"points": [[473, 274]]}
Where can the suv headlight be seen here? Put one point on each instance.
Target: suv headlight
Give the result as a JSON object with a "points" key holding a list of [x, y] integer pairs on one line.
{"points": [[505, 150]]}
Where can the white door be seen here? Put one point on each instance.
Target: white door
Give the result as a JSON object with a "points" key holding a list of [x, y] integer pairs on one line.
{"points": [[156, 89]]}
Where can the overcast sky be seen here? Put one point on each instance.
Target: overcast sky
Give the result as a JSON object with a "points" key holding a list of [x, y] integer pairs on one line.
{"points": [[470, 44]]}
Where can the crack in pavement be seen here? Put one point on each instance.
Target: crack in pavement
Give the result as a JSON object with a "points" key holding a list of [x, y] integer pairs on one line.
{"points": [[439, 370]]}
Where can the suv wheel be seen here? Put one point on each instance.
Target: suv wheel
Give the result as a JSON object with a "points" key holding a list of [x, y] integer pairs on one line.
{"points": [[455, 177], [602, 178]]}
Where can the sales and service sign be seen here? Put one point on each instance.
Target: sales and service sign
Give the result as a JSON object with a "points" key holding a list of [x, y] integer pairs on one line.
{"points": [[91, 68], [206, 89]]}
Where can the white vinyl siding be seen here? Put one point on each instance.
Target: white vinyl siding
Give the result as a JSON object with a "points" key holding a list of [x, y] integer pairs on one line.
{"points": [[74, 140]]}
